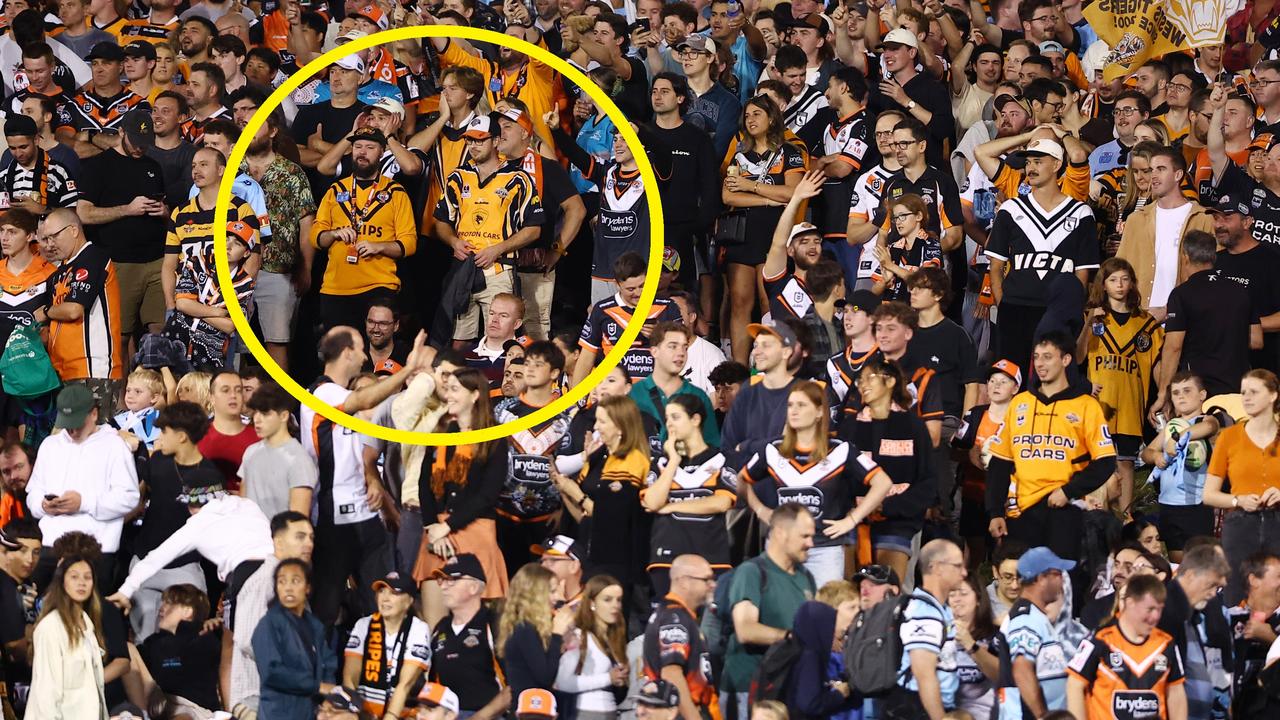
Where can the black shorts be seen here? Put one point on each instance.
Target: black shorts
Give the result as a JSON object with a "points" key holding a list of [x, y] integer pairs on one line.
{"points": [[1180, 523], [1127, 446], [974, 520]]}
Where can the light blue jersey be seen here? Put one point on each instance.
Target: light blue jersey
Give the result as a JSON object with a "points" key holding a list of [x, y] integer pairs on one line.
{"points": [[928, 624], [248, 190], [1029, 634], [1181, 481]]}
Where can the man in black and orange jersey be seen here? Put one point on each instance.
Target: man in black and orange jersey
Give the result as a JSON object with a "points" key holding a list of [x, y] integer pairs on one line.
{"points": [[844, 145], [894, 325], [33, 180], [1131, 668], [609, 318], [207, 87], [490, 209], [102, 104], [529, 499], [190, 234], [1054, 447], [155, 28], [38, 64], [674, 647], [387, 355], [461, 89], [563, 213], [860, 346], [365, 223], [936, 186], [464, 655], [794, 245], [83, 311]]}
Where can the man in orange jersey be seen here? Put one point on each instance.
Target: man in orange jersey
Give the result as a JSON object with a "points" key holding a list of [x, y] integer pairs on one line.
{"points": [[1131, 668]]}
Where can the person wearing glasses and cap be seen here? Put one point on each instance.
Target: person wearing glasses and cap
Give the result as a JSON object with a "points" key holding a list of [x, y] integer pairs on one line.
{"points": [[388, 651], [1036, 655], [464, 657], [913, 92]]}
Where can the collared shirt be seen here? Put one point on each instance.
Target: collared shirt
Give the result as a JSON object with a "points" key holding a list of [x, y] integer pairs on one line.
{"points": [[250, 607], [289, 200]]}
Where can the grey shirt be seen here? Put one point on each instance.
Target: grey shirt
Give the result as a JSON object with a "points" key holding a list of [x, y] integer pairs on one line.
{"points": [[269, 473]]}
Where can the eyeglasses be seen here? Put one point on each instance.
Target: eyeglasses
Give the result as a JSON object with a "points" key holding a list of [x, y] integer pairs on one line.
{"points": [[952, 563], [380, 323], [1126, 111], [1134, 567], [1050, 19], [903, 144], [1263, 83], [1183, 87], [903, 216], [48, 237], [884, 134], [1055, 105], [1008, 577], [690, 52], [706, 579]]}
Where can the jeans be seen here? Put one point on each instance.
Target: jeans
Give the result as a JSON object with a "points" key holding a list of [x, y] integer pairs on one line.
{"points": [[408, 540], [826, 564], [1243, 534]]}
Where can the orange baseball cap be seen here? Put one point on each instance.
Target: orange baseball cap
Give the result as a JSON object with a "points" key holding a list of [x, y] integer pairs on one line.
{"points": [[242, 232], [437, 695], [536, 702]]}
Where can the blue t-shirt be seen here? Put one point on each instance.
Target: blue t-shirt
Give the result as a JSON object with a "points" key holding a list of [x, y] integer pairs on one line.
{"points": [[1182, 480], [1029, 634], [248, 190], [928, 624]]}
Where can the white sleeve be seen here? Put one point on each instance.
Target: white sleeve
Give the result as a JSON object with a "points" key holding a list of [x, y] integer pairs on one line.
{"points": [[182, 541], [121, 494]]}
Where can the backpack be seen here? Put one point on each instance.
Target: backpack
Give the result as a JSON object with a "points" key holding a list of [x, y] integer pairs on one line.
{"points": [[717, 624], [770, 680], [25, 365], [873, 647]]}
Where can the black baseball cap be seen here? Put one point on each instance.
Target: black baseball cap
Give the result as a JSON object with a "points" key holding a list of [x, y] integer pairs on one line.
{"points": [[106, 50], [878, 574], [368, 133], [460, 566], [397, 582], [139, 128], [140, 49], [1227, 204], [658, 693]]}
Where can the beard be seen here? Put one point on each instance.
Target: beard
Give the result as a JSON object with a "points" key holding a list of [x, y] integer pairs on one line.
{"points": [[365, 171], [260, 146]]}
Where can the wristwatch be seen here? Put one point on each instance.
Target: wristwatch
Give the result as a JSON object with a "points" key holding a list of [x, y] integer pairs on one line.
{"points": [[1235, 501], [911, 106]]}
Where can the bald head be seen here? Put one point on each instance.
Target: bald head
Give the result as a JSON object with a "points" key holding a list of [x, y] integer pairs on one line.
{"points": [[338, 341], [61, 234], [692, 580], [689, 566], [936, 553]]}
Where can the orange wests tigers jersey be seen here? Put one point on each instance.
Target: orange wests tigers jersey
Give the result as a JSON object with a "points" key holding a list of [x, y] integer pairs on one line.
{"points": [[1127, 680]]}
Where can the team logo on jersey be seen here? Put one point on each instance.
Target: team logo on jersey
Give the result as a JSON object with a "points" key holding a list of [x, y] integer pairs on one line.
{"points": [[384, 196], [1070, 224], [1142, 341], [1116, 660], [1162, 663], [343, 197], [502, 193], [1073, 418], [877, 185]]}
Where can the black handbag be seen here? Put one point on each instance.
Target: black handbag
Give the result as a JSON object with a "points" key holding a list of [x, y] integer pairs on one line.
{"points": [[731, 227]]}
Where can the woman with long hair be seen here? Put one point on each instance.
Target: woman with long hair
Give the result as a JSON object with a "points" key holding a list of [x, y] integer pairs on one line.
{"points": [[1121, 343], [761, 174], [458, 492], [1246, 458], [593, 668], [530, 632], [824, 475], [605, 499], [67, 648], [899, 442], [294, 661], [913, 247], [977, 649], [689, 498]]}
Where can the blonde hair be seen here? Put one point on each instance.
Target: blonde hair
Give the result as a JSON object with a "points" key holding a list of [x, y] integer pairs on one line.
{"points": [[774, 709], [151, 380], [528, 603], [194, 387], [836, 592]]}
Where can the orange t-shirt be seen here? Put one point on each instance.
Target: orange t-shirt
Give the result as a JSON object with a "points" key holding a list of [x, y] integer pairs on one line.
{"points": [[1239, 461]]}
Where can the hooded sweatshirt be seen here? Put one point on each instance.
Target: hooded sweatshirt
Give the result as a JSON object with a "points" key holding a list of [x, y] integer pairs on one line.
{"points": [[809, 694]]}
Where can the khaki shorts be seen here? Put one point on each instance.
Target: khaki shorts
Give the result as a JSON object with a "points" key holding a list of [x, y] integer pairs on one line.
{"points": [[537, 289], [141, 295], [470, 324]]}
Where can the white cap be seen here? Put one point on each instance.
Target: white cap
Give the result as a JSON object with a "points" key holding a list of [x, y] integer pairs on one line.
{"points": [[351, 62], [390, 105], [1044, 146], [351, 35], [801, 229], [902, 36], [1095, 59]]}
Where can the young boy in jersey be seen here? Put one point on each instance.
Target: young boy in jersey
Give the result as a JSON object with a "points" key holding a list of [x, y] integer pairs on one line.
{"points": [[201, 309], [143, 393], [1180, 454], [974, 438]]}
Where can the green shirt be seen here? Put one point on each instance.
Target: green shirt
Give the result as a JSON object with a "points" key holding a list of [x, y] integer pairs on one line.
{"points": [[783, 595], [644, 392]]}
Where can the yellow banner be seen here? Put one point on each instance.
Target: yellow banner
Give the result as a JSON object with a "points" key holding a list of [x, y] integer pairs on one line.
{"points": [[1138, 30]]}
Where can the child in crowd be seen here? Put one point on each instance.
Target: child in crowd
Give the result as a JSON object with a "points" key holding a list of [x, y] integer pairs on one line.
{"points": [[276, 472], [1180, 454], [202, 311], [143, 397]]}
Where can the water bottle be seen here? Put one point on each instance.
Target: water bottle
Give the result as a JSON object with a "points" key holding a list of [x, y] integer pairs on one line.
{"points": [[735, 9]]}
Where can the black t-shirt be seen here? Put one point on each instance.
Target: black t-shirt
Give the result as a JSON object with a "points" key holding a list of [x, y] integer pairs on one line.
{"points": [[184, 663], [13, 618], [175, 165], [165, 515], [1215, 315], [554, 187], [110, 179], [334, 123], [466, 661], [634, 98], [946, 349], [1264, 204], [1259, 271], [930, 95], [688, 174]]}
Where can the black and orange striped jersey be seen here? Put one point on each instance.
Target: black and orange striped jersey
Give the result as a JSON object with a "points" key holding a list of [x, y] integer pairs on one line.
{"points": [[145, 29], [1127, 680], [702, 476], [190, 230], [381, 212], [91, 111], [673, 637], [528, 494], [22, 293], [842, 373], [486, 211], [89, 347], [609, 318], [1122, 351], [1048, 440]]}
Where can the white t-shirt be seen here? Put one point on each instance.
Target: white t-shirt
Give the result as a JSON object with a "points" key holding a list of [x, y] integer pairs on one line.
{"points": [[416, 650], [339, 456], [1169, 224]]}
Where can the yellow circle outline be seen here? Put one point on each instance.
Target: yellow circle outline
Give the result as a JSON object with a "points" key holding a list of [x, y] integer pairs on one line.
{"points": [[409, 437]]}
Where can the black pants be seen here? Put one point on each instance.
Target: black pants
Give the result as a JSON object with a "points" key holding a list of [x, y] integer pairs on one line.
{"points": [[901, 704], [361, 549], [1059, 529], [516, 540], [1016, 334]]}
